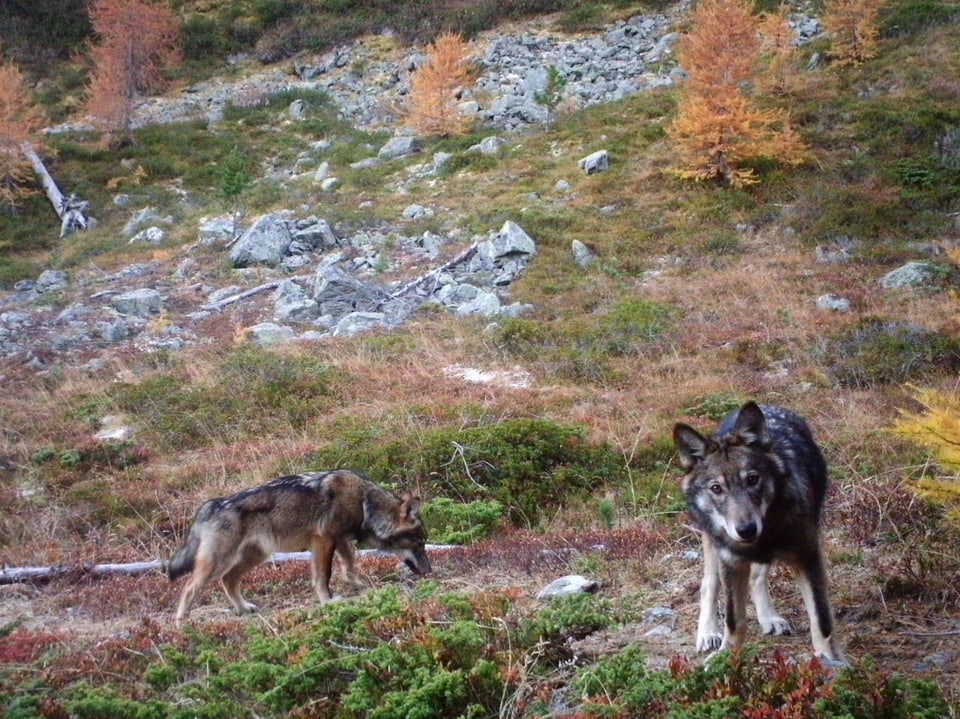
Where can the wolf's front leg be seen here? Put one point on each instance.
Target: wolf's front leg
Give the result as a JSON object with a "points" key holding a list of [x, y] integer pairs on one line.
{"points": [[321, 565], [770, 621], [735, 578], [812, 579], [709, 636], [348, 558]]}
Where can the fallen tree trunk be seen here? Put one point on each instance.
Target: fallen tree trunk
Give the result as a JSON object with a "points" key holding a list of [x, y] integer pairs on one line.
{"points": [[412, 285], [71, 211], [18, 575], [272, 285]]}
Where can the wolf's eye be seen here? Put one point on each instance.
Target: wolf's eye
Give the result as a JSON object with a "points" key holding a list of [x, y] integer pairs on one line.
{"points": [[716, 488], [752, 480]]}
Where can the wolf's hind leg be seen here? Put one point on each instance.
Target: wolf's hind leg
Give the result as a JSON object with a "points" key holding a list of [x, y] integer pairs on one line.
{"points": [[770, 621], [709, 635], [250, 557], [202, 570]]}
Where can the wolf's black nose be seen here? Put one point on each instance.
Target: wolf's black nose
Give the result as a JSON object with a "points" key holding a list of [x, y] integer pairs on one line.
{"points": [[747, 531]]}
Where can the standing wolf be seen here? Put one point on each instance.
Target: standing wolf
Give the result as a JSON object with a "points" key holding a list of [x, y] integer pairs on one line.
{"points": [[320, 510], [755, 489]]}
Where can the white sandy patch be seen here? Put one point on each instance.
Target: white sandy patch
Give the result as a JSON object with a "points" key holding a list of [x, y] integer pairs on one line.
{"points": [[514, 379]]}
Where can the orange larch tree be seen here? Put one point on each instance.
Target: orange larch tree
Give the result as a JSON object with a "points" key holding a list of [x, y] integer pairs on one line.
{"points": [[720, 124], [137, 41], [852, 26], [777, 52], [434, 86], [20, 119]]}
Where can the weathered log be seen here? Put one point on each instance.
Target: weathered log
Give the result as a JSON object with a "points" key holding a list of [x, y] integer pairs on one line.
{"points": [[272, 285], [18, 575], [413, 284], [71, 210]]}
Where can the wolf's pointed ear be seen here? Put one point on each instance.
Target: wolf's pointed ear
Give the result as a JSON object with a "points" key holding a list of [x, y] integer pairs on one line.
{"points": [[379, 512], [751, 426], [410, 507], [692, 447]]}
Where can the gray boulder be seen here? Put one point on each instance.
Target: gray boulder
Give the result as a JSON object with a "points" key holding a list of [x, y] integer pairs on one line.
{"points": [[267, 334], [912, 274], [357, 322], [292, 304], [485, 304], [317, 234], [511, 239], [148, 215], [297, 109], [595, 162], [338, 293], [400, 146], [50, 281], [833, 303], [138, 303], [150, 236], [489, 145], [265, 243], [583, 255], [217, 229], [565, 586]]}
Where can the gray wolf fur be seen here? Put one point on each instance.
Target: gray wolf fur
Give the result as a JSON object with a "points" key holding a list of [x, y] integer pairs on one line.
{"points": [[322, 511], [755, 489]]}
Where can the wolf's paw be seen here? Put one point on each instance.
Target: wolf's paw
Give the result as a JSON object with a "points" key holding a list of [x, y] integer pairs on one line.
{"points": [[355, 582], [709, 642], [775, 625], [247, 608]]}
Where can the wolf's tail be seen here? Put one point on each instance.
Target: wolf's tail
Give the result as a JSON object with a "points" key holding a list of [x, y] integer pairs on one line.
{"points": [[182, 562]]}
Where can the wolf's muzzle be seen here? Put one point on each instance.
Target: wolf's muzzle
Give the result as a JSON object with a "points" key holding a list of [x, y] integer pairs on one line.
{"points": [[748, 532], [418, 562]]}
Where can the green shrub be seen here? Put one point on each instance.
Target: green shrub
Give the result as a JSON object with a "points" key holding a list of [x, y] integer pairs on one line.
{"points": [[204, 38], [564, 618], [463, 161], [625, 678], [451, 522], [252, 390], [14, 269], [529, 466], [583, 350], [272, 11], [393, 653], [749, 684], [878, 351], [872, 694], [911, 16], [22, 239], [713, 406]]}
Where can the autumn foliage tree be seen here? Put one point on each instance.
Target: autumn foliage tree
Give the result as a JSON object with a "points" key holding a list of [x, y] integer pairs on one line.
{"points": [[19, 121], [136, 41], [720, 123], [853, 29], [937, 428], [777, 53], [434, 88]]}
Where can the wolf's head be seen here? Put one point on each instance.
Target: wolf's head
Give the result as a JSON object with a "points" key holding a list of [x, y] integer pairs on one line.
{"points": [[731, 479], [394, 524]]}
